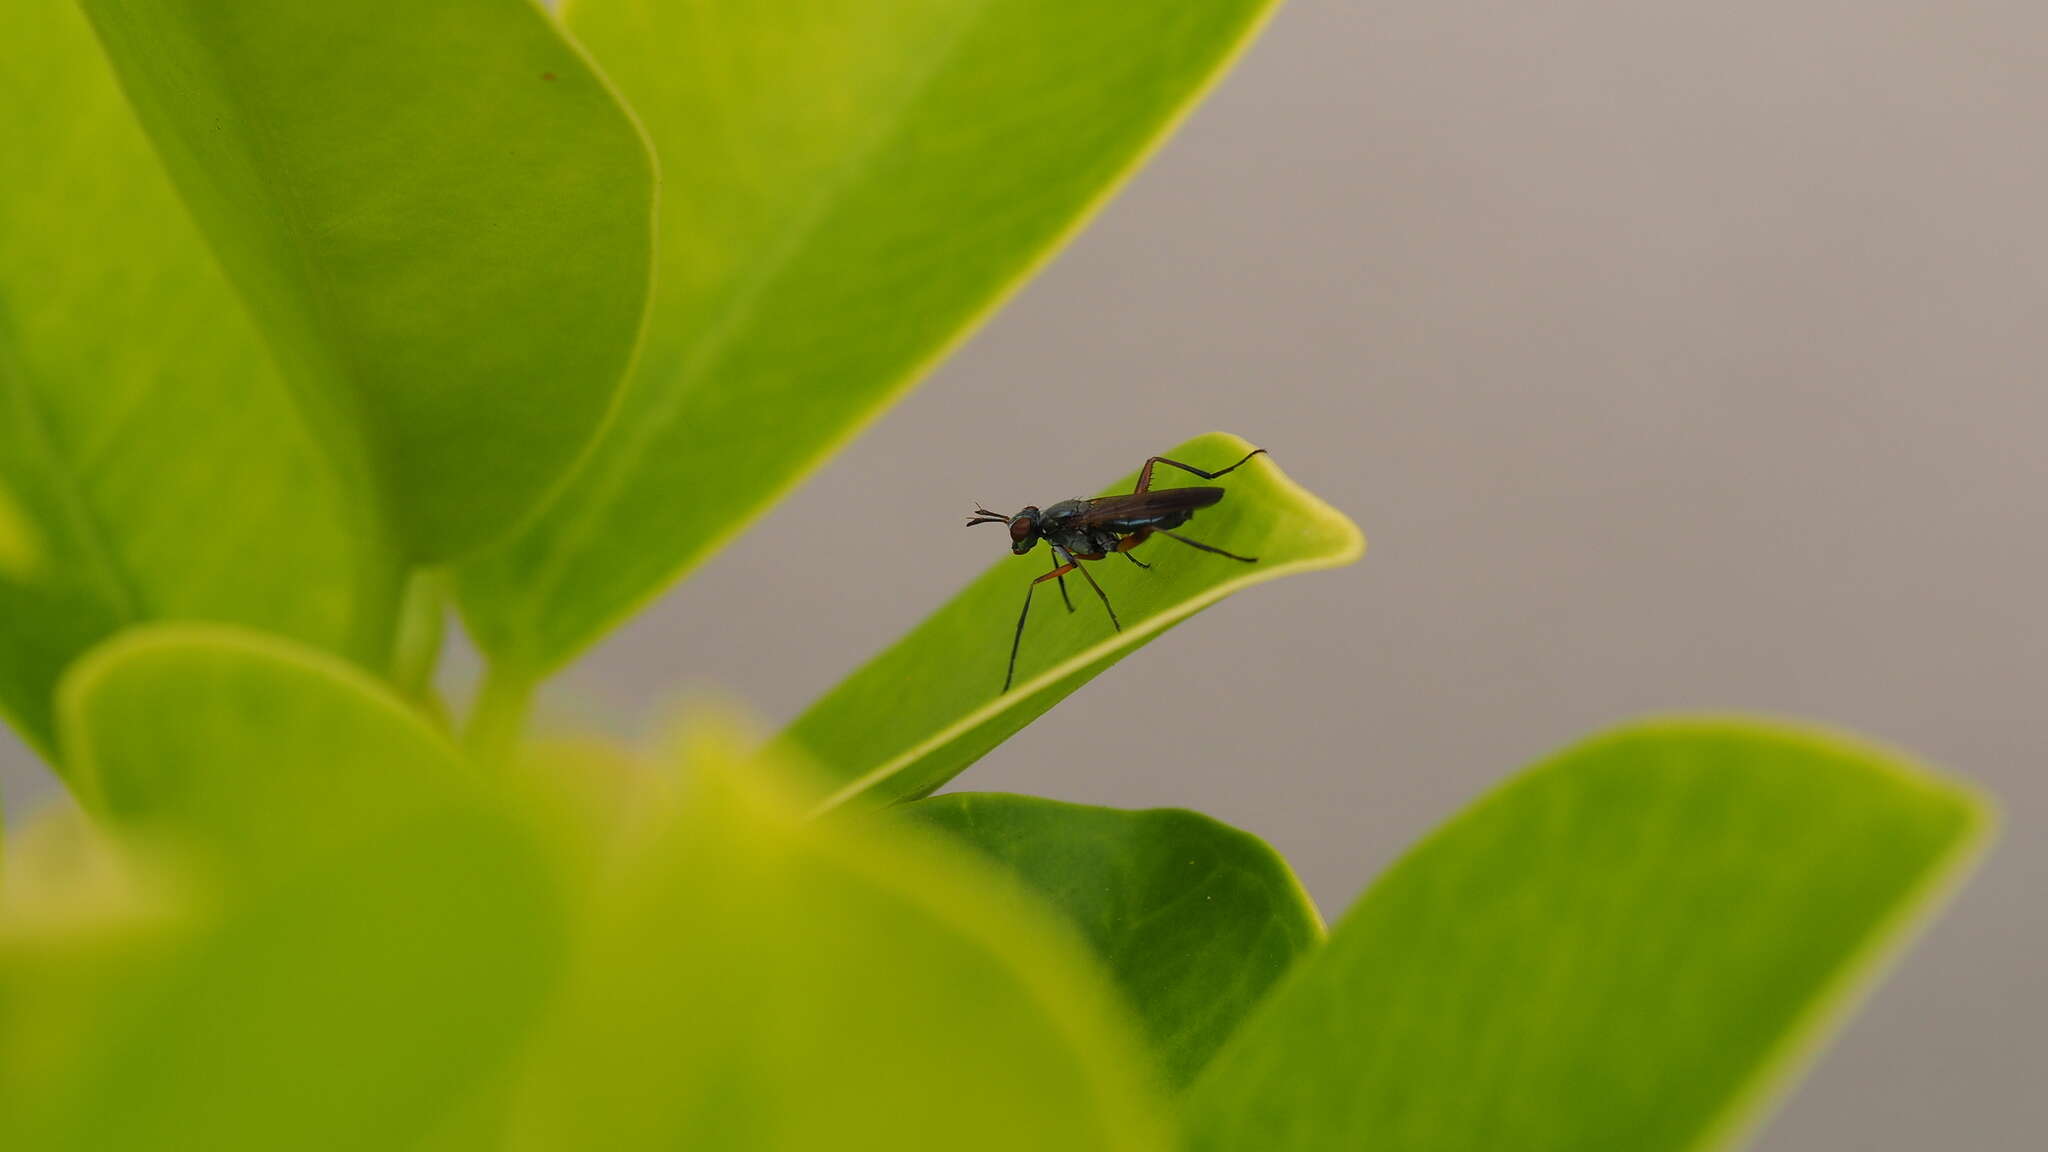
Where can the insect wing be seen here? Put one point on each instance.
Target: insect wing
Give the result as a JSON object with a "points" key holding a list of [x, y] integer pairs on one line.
{"points": [[1137, 509]]}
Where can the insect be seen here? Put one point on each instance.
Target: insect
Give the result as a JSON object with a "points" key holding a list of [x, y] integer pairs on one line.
{"points": [[1078, 530]]}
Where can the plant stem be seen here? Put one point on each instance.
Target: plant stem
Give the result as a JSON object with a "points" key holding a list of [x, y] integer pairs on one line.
{"points": [[421, 624], [497, 720]]}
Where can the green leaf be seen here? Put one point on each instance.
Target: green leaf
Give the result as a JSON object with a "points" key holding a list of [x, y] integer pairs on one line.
{"points": [[349, 939], [258, 748], [757, 980], [1194, 919], [847, 190], [922, 711], [148, 449], [86, 928], [437, 210], [21, 549], [1636, 944]]}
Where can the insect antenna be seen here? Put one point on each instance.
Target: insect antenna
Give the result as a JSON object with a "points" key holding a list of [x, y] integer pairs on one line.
{"points": [[984, 516]]}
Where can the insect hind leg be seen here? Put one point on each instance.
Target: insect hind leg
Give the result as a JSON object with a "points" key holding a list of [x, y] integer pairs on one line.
{"points": [[1207, 547], [1145, 473]]}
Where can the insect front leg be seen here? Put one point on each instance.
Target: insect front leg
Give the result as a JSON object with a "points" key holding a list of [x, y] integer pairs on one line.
{"points": [[1063, 583], [1018, 639]]}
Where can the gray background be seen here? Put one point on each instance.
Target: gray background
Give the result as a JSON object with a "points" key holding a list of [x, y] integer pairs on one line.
{"points": [[1671, 356]]}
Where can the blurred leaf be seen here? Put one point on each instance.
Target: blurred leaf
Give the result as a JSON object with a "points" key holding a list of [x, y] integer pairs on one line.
{"points": [[1194, 919], [582, 793], [755, 980], [366, 940], [246, 743], [1636, 944], [148, 448], [86, 928], [21, 549], [847, 190], [437, 210], [922, 711]]}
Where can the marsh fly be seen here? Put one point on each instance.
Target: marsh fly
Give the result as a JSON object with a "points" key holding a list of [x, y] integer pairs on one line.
{"points": [[1078, 530]]}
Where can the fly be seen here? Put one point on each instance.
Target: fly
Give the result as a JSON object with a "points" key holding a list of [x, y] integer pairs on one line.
{"points": [[1078, 530]]}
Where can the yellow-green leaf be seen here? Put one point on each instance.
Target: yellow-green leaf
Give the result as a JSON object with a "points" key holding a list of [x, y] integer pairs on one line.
{"points": [[439, 214], [351, 939], [149, 450], [925, 709], [756, 980], [847, 189], [245, 743], [21, 548], [90, 929], [1635, 944]]}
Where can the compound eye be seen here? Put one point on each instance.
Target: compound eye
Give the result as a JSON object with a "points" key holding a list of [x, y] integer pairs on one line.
{"points": [[1022, 528]]}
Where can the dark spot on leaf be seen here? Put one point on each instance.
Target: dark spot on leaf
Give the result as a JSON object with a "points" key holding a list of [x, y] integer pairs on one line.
{"points": [[547, 75]]}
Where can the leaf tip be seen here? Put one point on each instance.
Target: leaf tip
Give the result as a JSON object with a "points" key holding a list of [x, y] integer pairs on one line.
{"points": [[1344, 542]]}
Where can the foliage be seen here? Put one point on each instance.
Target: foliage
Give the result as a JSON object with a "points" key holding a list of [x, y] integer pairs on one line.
{"points": [[316, 319]]}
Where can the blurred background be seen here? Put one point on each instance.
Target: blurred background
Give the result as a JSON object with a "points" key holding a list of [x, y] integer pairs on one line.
{"points": [[1672, 357]]}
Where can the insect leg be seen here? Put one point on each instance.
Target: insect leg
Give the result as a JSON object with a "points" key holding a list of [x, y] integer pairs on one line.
{"points": [[1063, 584], [1132, 541], [1206, 547], [1145, 473], [1018, 639], [1114, 622]]}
